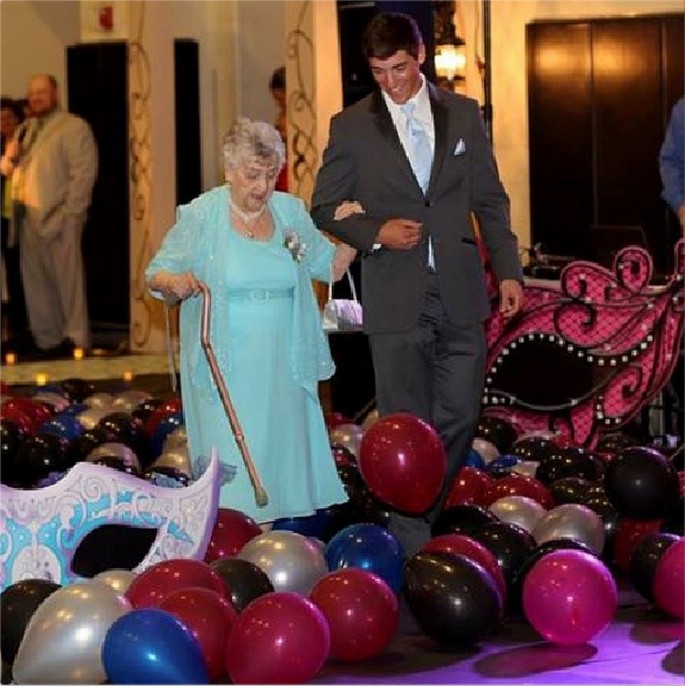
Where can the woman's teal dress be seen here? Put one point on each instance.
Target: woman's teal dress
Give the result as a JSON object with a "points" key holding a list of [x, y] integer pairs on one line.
{"points": [[267, 338]]}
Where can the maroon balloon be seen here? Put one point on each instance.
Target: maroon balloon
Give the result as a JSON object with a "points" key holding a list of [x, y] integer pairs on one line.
{"points": [[232, 530], [403, 462], [470, 486], [362, 612]]}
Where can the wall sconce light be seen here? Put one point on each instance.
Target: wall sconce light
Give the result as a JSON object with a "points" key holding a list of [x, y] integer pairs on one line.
{"points": [[450, 53]]}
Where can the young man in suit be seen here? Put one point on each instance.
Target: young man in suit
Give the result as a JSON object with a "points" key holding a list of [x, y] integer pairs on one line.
{"points": [[419, 176]]}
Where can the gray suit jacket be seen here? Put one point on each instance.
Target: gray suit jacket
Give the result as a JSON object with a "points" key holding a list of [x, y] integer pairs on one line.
{"points": [[364, 160]]}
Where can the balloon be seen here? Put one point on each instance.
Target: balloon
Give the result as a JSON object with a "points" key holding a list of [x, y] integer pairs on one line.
{"points": [[629, 533], [42, 454], [334, 419], [232, 530], [153, 584], [369, 547], [63, 640], [244, 579], [18, 603], [517, 484], [178, 437], [12, 436], [315, 525], [100, 400], [121, 427], [532, 448], [570, 489], [65, 426], [559, 463], [129, 400], [289, 634], [497, 431], [77, 390], [209, 616], [462, 519], [370, 419], [403, 462], [91, 417], [469, 487], [347, 435], [164, 409], [151, 646], [453, 598], [474, 459], [362, 612], [166, 425], [644, 560], [642, 483], [86, 442], [609, 516], [468, 547], [525, 468], [114, 449], [517, 509], [177, 457], [291, 561], [487, 450], [572, 521], [569, 597], [669, 580], [117, 579]]}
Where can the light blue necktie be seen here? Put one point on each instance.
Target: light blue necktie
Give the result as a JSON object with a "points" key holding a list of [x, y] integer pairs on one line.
{"points": [[420, 153]]}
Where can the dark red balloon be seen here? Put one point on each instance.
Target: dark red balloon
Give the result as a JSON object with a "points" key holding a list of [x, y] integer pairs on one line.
{"points": [[232, 530], [403, 462], [470, 486], [334, 419], [362, 612], [520, 484], [629, 533]]}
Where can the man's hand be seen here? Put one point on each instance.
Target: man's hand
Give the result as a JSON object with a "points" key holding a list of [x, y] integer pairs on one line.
{"points": [[511, 298], [400, 234]]}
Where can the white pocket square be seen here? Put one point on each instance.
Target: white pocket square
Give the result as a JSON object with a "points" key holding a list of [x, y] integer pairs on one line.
{"points": [[460, 147]]}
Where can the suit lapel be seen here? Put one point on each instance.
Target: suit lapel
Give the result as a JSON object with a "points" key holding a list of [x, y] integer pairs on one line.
{"points": [[386, 128], [440, 125]]}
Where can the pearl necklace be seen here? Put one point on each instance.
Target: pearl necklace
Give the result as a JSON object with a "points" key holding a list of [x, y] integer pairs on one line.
{"points": [[247, 218]]}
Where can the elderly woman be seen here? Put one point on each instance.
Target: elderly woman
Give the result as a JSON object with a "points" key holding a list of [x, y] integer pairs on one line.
{"points": [[257, 251]]}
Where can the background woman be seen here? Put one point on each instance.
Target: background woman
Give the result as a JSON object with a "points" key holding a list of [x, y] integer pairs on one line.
{"points": [[257, 251]]}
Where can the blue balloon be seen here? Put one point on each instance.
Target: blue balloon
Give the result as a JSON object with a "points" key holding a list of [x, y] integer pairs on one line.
{"points": [[72, 410], [152, 646], [474, 459], [503, 463], [370, 547], [315, 525], [65, 426]]}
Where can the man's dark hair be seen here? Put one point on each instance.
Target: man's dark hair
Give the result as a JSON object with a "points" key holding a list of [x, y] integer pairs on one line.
{"points": [[277, 80], [390, 32]]}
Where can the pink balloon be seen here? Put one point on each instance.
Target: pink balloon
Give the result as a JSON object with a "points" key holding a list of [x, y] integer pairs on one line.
{"points": [[232, 530], [403, 462], [279, 638], [361, 610], [569, 597], [669, 580], [468, 547]]}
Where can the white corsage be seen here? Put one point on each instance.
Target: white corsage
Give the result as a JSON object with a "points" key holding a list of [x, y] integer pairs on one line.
{"points": [[295, 246]]}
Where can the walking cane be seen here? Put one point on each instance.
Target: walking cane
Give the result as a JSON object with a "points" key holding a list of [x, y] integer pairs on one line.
{"points": [[259, 493]]}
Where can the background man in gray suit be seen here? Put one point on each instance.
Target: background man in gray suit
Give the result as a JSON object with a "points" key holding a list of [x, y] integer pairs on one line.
{"points": [[53, 164], [423, 282]]}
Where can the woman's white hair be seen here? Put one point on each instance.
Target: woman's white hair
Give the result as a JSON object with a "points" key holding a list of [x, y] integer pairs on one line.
{"points": [[247, 138]]}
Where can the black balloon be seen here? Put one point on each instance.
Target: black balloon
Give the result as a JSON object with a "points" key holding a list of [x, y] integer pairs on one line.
{"points": [[570, 489], [143, 411], [644, 560], [602, 506], [532, 448], [77, 390], [18, 603], [244, 580], [642, 483], [453, 599], [499, 432], [614, 443], [509, 543], [12, 436], [90, 439], [122, 427], [40, 455], [117, 462], [560, 463], [515, 591], [462, 519]]}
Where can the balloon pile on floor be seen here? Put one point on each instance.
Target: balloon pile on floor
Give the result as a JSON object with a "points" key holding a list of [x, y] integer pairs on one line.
{"points": [[533, 529]]}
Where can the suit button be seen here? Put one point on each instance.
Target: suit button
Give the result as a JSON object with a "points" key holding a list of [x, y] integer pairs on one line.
{"points": [[427, 203]]}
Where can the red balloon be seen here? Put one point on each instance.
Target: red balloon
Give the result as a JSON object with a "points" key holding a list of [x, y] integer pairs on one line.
{"points": [[155, 583], [19, 417], [334, 419], [669, 580], [470, 487], [629, 532], [569, 597], [168, 407], [279, 638], [232, 530], [209, 616], [362, 612], [468, 547], [403, 462], [519, 484], [36, 412]]}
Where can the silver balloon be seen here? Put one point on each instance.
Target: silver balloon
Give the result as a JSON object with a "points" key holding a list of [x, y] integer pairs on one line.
{"points": [[485, 449], [348, 436], [63, 639], [526, 468], [55, 400], [121, 450], [127, 401], [90, 417], [177, 457], [100, 400], [518, 509], [292, 561], [574, 521], [370, 419], [117, 579], [179, 436]]}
